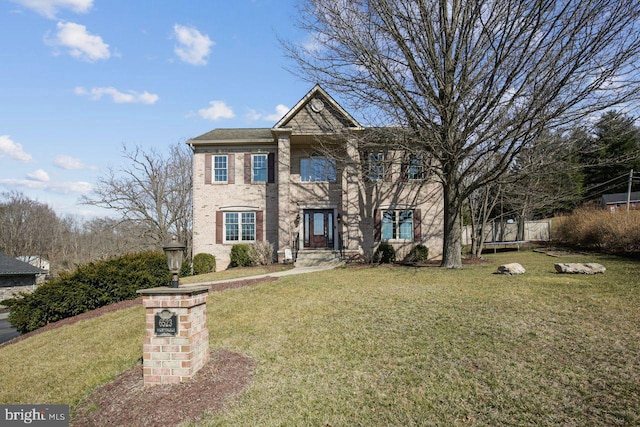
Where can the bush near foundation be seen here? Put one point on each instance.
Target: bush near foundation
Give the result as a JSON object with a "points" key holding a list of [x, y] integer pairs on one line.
{"points": [[385, 254], [600, 230], [418, 253], [89, 287], [204, 263], [241, 256]]}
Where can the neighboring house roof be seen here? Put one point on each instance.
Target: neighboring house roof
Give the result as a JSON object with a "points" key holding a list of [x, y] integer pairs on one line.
{"points": [[12, 267], [609, 199]]}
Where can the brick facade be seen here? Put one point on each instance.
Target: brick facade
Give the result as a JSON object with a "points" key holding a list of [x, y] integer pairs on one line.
{"points": [[316, 126]]}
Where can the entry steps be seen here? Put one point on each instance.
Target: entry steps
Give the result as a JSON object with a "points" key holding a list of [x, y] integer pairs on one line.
{"points": [[316, 258]]}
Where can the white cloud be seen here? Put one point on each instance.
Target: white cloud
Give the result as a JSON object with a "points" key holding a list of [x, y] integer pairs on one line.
{"points": [[217, 110], [70, 163], [13, 150], [129, 97], [80, 43], [77, 187], [50, 8], [281, 110], [193, 47], [39, 175]]}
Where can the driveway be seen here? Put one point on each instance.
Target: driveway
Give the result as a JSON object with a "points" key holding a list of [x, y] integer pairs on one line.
{"points": [[7, 332]]}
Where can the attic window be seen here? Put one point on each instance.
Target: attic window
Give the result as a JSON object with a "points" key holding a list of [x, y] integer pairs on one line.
{"points": [[317, 105]]}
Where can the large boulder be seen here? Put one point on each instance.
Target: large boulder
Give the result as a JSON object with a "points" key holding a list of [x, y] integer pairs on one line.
{"points": [[511, 269], [579, 268]]}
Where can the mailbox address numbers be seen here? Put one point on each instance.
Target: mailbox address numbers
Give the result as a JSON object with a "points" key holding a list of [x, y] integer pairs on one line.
{"points": [[166, 324]]}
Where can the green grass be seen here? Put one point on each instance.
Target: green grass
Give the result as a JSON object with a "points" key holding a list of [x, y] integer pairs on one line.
{"points": [[399, 346]]}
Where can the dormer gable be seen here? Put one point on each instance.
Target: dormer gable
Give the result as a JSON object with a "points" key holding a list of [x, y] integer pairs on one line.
{"points": [[317, 113]]}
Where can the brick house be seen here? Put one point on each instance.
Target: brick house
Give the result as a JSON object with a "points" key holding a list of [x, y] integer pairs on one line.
{"points": [[314, 182]]}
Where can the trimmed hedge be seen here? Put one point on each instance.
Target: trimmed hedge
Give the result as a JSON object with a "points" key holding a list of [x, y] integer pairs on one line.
{"points": [[204, 263], [90, 286]]}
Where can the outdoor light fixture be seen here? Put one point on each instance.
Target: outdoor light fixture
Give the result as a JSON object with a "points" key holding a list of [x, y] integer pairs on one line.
{"points": [[174, 252], [339, 218]]}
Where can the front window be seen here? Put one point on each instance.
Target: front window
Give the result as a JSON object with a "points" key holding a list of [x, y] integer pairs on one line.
{"points": [[317, 169], [220, 168], [259, 168], [397, 225], [240, 226]]}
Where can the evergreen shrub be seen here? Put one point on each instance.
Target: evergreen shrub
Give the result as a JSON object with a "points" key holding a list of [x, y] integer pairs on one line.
{"points": [[419, 253], [385, 253], [90, 286], [204, 263], [241, 256]]}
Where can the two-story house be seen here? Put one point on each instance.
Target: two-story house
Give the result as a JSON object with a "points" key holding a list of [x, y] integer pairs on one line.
{"points": [[316, 181]]}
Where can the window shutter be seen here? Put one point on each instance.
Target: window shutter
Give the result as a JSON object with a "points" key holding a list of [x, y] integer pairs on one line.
{"points": [[207, 168], [259, 226], [377, 226], [271, 168], [231, 169], [219, 226], [247, 168], [417, 225]]}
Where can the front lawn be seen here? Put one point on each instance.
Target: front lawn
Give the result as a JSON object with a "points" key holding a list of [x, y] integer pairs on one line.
{"points": [[394, 346]]}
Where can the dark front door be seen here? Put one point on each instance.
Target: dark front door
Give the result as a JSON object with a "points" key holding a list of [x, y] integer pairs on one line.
{"points": [[318, 228]]}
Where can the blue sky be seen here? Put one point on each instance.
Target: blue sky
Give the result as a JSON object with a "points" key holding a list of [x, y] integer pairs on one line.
{"points": [[80, 78]]}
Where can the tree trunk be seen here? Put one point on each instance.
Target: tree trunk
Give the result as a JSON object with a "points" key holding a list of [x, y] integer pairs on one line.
{"points": [[452, 239]]}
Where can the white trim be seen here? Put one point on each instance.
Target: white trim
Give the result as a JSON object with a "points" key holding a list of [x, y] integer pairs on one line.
{"points": [[239, 208]]}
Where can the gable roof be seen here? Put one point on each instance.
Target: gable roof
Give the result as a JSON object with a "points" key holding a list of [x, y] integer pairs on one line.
{"points": [[320, 102], [316, 113], [12, 267]]}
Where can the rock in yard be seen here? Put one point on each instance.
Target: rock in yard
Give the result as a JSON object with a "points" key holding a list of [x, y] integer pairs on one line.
{"points": [[579, 268], [511, 269]]}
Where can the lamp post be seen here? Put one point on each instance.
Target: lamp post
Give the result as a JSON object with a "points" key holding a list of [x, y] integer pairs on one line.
{"points": [[174, 252]]}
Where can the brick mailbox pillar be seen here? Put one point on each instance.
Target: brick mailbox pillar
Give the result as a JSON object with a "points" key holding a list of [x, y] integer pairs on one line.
{"points": [[176, 344]]}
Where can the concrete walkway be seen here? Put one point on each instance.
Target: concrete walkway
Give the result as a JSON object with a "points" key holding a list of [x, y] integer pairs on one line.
{"points": [[290, 272]]}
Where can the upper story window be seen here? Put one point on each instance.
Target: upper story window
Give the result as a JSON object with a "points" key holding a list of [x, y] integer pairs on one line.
{"points": [[220, 171], [414, 167], [260, 166], [375, 166], [317, 169], [239, 226], [397, 225]]}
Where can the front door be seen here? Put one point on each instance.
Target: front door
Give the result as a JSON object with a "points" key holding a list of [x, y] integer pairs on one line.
{"points": [[318, 228]]}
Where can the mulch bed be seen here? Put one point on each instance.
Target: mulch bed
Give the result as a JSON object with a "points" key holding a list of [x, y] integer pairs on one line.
{"points": [[125, 401]]}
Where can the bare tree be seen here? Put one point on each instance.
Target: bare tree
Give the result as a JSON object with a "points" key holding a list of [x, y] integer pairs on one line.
{"points": [[151, 191], [473, 80], [27, 227]]}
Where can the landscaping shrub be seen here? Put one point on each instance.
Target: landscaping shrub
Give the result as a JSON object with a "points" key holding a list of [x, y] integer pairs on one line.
{"points": [[419, 253], [598, 229], [204, 263], [385, 254], [262, 253], [241, 256], [90, 286]]}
